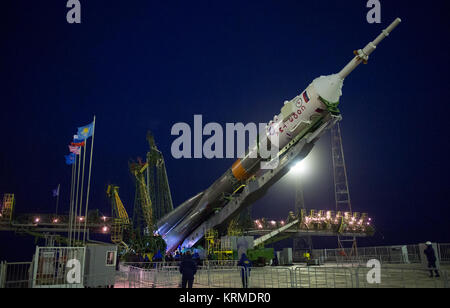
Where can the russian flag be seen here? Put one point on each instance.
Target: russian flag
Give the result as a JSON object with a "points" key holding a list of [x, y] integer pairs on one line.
{"points": [[305, 97]]}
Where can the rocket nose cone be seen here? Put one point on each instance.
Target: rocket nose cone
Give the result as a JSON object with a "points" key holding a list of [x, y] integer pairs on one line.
{"points": [[329, 87]]}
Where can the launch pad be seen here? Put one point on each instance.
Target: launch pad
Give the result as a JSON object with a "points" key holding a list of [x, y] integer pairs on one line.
{"points": [[292, 133]]}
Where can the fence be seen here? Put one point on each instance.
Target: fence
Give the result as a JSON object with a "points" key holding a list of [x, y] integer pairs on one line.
{"points": [[154, 275], [350, 276], [356, 277], [15, 275], [404, 254], [48, 270], [267, 277], [202, 263], [444, 253], [218, 274], [51, 267], [20, 275]]}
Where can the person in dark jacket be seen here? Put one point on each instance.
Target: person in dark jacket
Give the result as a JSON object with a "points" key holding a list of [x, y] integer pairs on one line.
{"points": [[188, 269], [431, 258], [245, 265], [169, 259], [196, 258], [177, 256], [157, 257]]}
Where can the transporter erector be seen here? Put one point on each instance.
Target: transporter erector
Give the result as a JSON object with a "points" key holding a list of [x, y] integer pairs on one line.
{"points": [[308, 114]]}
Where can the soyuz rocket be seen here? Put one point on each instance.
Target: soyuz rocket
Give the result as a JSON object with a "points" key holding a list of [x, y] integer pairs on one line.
{"points": [[298, 117]]}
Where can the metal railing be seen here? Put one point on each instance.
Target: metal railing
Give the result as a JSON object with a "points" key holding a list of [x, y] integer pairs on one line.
{"points": [[399, 277], [385, 254], [205, 263], [444, 253], [17, 275], [356, 277], [285, 277], [323, 277], [50, 266]]}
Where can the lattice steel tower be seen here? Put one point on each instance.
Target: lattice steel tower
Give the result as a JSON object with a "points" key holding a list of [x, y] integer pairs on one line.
{"points": [[157, 181], [302, 244], [142, 211], [7, 207], [342, 194]]}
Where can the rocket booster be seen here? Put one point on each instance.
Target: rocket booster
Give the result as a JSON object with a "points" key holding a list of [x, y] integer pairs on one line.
{"points": [[302, 115]]}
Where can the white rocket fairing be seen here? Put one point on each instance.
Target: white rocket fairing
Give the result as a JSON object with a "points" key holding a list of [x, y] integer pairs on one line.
{"points": [[302, 115]]}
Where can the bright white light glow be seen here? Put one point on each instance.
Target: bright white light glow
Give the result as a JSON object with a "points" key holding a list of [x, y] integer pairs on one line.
{"points": [[299, 168]]}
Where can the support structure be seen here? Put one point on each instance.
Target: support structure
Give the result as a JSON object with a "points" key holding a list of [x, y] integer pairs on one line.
{"points": [[142, 212], [7, 207], [121, 222], [302, 244], [342, 194], [157, 181]]}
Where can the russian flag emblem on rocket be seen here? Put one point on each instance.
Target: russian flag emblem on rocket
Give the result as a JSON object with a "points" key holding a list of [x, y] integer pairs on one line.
{"points": [[305, 97]]}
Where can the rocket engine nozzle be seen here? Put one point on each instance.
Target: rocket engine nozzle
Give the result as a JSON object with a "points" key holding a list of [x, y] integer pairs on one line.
{"points": [[362, 55]]}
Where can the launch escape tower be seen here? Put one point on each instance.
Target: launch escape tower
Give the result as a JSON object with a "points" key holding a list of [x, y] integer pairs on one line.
{"points": [[342, 194], [157, 181]]}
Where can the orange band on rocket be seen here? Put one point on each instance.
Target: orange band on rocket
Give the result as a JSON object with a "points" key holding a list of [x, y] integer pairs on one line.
{"points": [[238, 171]]}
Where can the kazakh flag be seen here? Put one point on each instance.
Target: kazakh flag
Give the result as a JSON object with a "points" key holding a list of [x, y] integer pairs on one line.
{"points": [[85, 132]]}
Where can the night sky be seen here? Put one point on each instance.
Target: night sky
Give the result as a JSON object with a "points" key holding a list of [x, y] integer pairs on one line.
{"points": [[146, 65]]}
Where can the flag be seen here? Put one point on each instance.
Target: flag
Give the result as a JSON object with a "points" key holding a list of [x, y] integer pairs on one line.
{"points": [[74, 149], [305, 96], [70, 159], [56, 192], [78, 144], [85, 132], [76, 139]]}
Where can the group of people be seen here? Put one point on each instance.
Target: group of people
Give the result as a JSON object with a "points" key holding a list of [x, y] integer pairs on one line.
{"points": [[188, 269], [189, 263]]}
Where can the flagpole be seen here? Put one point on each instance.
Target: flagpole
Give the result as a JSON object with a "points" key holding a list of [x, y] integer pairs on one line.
{"points": [[57, 200], [73, 219], [77, 193], [70, 206], [82, 186], [72, 192], [89, 181]]}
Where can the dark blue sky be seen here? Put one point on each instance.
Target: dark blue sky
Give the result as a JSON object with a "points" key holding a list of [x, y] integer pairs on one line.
{"points": [[140, 65]]}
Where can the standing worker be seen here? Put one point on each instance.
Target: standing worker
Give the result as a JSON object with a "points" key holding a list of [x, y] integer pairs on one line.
{"points": [[196, 258], [157, 257], [431, 258], [188, 268], [245, 265], [177, 256]]}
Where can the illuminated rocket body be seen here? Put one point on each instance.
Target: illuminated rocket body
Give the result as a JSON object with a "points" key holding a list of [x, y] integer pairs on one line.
{"points": [[302, 115]]}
